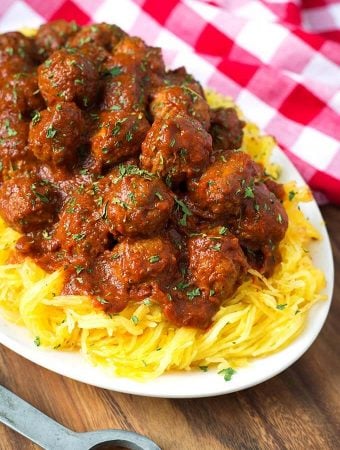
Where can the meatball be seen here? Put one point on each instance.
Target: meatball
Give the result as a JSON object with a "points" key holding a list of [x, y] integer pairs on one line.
{"points": [[226, 129], [56, 133], [27, 203], [20, 93], [176, 148], [123, 88], [118, 137], [138, 203], [101, 34], [135, 269], [216, 262], [13, 136], [193, 308], [81, 230], [149, 58], [68, 76], [222, 188], [15, 45], [174, 100], [263, 219], [123, 93], [94, 53], [180, 77], [52, 36]]}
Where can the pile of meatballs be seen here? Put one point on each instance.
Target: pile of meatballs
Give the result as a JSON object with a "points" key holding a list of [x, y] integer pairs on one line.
{"points": [[118, 171]]}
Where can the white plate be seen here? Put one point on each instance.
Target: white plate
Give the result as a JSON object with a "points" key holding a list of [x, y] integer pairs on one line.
{"points": [[194, 384]]}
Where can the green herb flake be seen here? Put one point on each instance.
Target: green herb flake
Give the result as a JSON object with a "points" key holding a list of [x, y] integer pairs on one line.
{"points": [[135, 319], [154, 259], [10, 131], [36, 117], [248, 192], [186, 212], [129, 136], [279, 218], [291, 195], [102, 300], [172, 142], [159, 195], [115, 256], [147, 302], [212, 292], [51, 132], [223, 230], [104, 213], [227, 373], [79, 269], [217, 247], [79, 81], [114, 71], [78, 236], [37, 341], [41, 197], [204, 368], [194, 293], [281, 306]]}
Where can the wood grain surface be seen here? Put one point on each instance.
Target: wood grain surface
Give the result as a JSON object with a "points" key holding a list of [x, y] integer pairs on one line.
{"points": [[299, 409]]}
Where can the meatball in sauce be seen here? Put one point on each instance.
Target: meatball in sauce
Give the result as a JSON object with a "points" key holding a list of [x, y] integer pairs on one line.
{"points": [[117, 172]]}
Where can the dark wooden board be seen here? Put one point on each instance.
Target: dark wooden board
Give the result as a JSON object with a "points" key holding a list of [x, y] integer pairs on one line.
{"points": [[299, 409]]}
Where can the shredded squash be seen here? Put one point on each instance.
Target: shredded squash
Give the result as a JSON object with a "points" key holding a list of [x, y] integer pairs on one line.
{"points": [[263, 316]]}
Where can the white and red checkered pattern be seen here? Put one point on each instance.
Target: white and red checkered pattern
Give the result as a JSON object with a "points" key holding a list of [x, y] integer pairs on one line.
{"points": [[279, 59]]}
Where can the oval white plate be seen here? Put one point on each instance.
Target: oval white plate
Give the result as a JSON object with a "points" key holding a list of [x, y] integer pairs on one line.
{"points": [[194, 384]]}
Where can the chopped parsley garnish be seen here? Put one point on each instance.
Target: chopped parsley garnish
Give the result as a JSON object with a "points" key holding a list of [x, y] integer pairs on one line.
{"points": [[78, 236], [118, 201], [113, 72], [115, 256], [227, 373], [159, 195], [172, 142], [131, 169], [134, 319], [10, 131], [281, 306], [204, 368], [41, 197], [37, 341], [147, 302], [102, 300], [182, 285], [186, 211], [51, 132], [104, 213], [248, 192], [291, 195], [223, 230], [79, 269], [279, 218], [129, 136], [217, 247], [154, 259], [79, 81], [118, 126], [194, 293], [212, 292], [36, 117]]}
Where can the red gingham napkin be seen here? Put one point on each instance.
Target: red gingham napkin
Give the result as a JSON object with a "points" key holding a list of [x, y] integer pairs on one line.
{"points": [[279, 60]]}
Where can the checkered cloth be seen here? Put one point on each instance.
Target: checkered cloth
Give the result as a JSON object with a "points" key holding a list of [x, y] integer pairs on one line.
{"points": [[279, 59]]}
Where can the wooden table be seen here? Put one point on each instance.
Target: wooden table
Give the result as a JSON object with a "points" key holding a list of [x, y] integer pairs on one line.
{"points": [[299, 409]]}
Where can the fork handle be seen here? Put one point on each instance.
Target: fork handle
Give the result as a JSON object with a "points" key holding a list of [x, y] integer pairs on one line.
{"points": [[36, 426]]}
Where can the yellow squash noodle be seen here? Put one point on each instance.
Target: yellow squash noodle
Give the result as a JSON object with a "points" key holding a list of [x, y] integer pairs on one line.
{"points": [[262, 317]]}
